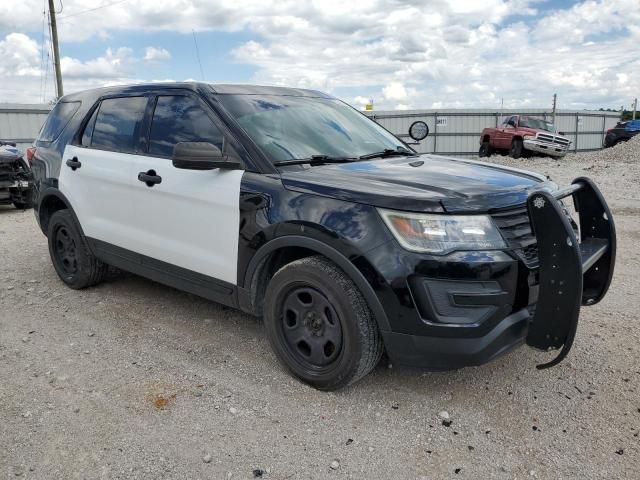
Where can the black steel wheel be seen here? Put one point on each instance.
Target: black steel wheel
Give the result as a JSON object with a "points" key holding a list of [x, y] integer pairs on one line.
{"points": [[65, 250], [73, 261], [311, 327], [319, 325]]}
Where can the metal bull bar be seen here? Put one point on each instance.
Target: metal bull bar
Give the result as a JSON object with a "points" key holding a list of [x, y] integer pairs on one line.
{"points": [[572, 273]]}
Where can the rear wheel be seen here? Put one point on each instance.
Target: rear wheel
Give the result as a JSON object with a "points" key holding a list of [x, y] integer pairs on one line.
{"points": [[74, 263], [516, 148], [319, 325], [485, 150]]}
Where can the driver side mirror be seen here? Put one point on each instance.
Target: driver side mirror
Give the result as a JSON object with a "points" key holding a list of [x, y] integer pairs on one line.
{"points": [[202, 156]]}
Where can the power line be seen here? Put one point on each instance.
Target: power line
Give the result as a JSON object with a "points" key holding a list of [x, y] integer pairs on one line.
{"points": [[44, 23], [197, 53], [82, 12]]}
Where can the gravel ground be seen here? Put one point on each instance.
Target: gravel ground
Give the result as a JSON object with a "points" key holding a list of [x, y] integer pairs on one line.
{"points": [[132, 379]]}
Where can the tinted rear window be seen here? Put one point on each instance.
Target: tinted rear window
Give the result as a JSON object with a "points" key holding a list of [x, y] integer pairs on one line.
{"points": [[117, 124], [58, 120]]}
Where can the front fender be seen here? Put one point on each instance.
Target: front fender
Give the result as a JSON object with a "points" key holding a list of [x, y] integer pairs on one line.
{"points": [[346, 264]]}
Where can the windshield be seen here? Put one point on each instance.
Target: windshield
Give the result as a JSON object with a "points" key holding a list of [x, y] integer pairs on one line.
{"points": [[288, 127], [537, 123]]}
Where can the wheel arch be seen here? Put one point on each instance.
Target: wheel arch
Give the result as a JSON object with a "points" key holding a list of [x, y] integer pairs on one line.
{"points": [[270, 257], [51, 200]]}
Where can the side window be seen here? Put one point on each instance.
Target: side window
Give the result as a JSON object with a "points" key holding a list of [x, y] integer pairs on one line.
{"points": [[180, 119], [58, 119], [117, 124], [88, 129]]}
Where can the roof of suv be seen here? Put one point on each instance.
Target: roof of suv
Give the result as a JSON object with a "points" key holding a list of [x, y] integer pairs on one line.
{"points": [[223, 89]]}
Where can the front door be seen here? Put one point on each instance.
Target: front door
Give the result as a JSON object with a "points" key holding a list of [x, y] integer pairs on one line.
{"points": [[505, 133], [187, 218]]}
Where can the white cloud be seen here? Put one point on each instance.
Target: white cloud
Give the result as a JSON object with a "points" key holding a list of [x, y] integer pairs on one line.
{"points": [[462, 53], [19, 55], [153, 54], [113, 64], [394, 91]]}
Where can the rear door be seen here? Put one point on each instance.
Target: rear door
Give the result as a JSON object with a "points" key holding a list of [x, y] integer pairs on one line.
{"points": [[191, 218], [96, 174]]}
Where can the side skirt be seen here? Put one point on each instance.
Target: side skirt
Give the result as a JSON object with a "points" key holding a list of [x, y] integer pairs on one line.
{"points": [[165, 273]]}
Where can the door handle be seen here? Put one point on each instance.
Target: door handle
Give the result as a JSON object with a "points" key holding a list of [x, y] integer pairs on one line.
{"points": [[74, 163], [150, 178]]}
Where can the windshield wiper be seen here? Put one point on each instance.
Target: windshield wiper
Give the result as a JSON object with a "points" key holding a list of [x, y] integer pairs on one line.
{"points": [[387, 152], [315, 160]]}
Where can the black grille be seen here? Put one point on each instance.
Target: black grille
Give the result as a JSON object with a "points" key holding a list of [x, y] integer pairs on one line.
{"points": [[516, 230]]}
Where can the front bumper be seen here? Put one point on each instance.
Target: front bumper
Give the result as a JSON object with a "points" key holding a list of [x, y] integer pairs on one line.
{"points": [[438, 353], [547, 148], [470, 308]]}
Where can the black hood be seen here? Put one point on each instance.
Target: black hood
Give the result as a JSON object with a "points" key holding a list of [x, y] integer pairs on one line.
{"points": [[420, 183]]}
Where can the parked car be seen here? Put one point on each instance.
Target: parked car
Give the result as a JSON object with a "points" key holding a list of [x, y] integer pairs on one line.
{"points": [[622, 132], [291, 205], [16, 183], [523, 135]]}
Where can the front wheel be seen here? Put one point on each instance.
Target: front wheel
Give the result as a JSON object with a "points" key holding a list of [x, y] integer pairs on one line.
{"points": [[319, 324], [516, 148], [485, 150], [24, 201]]}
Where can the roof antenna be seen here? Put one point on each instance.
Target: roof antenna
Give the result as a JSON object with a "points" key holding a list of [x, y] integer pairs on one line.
{"points": [[197, 53]]}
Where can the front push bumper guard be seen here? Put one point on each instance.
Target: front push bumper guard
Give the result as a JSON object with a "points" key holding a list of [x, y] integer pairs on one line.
{"points": [[572, 273]]}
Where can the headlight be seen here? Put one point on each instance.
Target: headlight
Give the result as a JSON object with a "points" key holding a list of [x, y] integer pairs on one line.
{"points": [[433, 233], [529, 137]]}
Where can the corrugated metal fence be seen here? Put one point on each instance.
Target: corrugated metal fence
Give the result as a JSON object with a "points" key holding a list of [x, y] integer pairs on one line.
{"points": [[20, 123], [457, 131], [452, 131]]}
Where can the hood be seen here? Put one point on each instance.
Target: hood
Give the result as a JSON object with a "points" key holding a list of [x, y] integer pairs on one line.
{"points": [[9, 153], [426, 183]]}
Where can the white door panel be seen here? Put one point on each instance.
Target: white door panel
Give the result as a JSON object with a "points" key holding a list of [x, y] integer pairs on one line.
{"points": [[100, 193], [191, 219]]}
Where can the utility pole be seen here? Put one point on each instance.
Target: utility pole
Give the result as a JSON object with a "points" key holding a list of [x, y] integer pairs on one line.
{"points": [[56, 52], [635, 107], [553, 111]]}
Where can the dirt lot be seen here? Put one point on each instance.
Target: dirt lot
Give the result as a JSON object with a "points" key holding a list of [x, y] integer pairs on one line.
{"points": [[135, 380]]}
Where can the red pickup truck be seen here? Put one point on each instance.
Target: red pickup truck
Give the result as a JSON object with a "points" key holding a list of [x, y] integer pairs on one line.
{"points": [[521, 135]]}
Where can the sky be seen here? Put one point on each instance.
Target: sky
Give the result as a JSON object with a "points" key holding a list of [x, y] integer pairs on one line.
{"points": [[402, 54]]}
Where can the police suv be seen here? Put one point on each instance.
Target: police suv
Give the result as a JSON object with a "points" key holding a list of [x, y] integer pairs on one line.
{"points": [[291, 205]]}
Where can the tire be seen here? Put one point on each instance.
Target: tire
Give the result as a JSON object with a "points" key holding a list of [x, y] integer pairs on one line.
{"points": [[74, 263], [319, 324], [23, 205], [26, 202], [516, 148], [485, 150]]}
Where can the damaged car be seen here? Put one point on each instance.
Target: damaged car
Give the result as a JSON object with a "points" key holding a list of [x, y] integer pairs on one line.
{"points": [[16, 180]]}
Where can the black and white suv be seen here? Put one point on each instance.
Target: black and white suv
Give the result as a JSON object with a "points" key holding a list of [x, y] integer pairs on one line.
{"points": [[291, 205]]}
